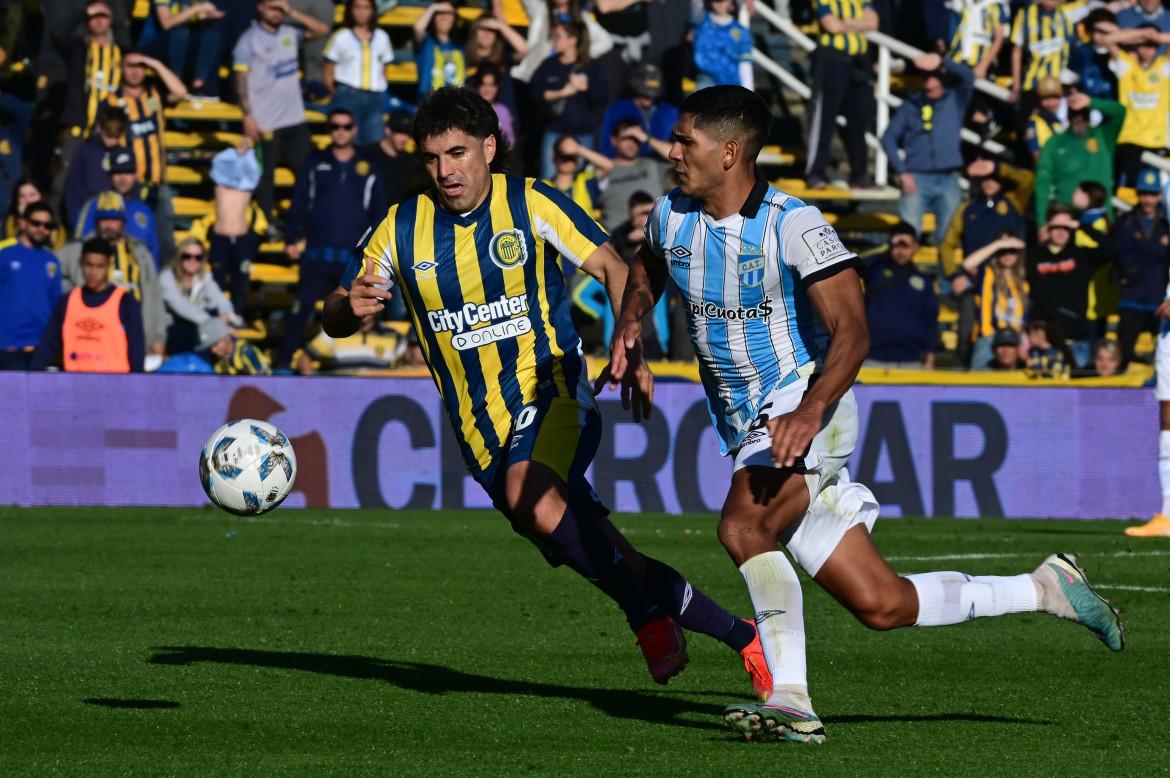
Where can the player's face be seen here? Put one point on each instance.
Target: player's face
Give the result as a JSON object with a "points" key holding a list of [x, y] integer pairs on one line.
{"points": [[460, 166], [696, 158], [95, 270]]}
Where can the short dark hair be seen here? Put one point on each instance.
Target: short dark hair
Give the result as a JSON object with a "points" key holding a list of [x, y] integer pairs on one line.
{"points": [[97, 246], [1098, 15], [112, 114], [1097, 193], [475, 79], [623, 124], [455, 108], [1060, 209], [37, 207], [904, 228], [728, 111], [339, 109], [640, 198]]}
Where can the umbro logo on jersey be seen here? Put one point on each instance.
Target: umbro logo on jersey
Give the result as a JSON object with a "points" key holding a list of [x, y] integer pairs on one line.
{"points": [[680, 262], [681, 252], [425, 266], [763, 616]]}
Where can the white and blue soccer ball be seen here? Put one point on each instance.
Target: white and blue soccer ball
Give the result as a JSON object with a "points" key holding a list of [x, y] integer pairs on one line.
{"points": [[247, 467]]}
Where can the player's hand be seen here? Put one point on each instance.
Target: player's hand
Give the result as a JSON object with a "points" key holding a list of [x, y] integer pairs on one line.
{"points": [[627, 338], [637, 388], [365, 296], [792, 435]]}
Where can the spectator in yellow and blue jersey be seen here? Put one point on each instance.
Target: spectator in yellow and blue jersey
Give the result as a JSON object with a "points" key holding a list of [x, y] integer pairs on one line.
{"points": [[1001, 292], [842, 86], [1045, 120], [1142, 78], [979, 35], [1042, 35], [441, 60], [30, 285]]}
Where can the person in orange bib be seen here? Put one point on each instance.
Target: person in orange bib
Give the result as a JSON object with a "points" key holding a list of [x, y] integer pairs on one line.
{"points": [[96, 328]]}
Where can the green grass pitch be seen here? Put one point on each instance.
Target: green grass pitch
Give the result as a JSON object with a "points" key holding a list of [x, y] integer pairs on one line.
{"points": [[349, 643]]}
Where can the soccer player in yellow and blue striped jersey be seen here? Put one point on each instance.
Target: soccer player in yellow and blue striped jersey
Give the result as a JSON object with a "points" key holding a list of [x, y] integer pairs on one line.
{"points": [[476, 260]]}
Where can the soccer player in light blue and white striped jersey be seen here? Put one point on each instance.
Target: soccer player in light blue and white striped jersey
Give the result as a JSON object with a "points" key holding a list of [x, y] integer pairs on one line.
{"points": [[777, 319]]}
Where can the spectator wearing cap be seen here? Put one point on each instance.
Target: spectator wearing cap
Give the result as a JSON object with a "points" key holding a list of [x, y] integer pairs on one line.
{"points": [[1059, 272], [131, 267], [1081, 152], [97, 326], [1006, 351], [722, 48], [336, 198], [401, 172], [1001, 291], [926, 127], [143, 102], [1090, 59], [1047, 117], [268, 85], [123, 179], [232, 231], [1142, 238], [901, 306], [999, 194], [89, 172], [218, 350], [356, 58], [191, 296], [645, 104], [30, 285], [1142, 77]]}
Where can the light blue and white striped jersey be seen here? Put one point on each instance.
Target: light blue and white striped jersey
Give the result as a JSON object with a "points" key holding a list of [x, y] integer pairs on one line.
{"points": [[742, 281]]}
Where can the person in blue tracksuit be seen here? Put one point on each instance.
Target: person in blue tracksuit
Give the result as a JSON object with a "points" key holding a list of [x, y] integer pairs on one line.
{"points": [[30, 285]]}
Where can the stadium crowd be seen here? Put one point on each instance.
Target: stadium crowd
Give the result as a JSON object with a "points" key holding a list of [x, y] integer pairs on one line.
{"points": [[1037, 264]]}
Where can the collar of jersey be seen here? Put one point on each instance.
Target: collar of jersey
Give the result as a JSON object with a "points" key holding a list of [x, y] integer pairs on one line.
{"points": [[751, 206]]}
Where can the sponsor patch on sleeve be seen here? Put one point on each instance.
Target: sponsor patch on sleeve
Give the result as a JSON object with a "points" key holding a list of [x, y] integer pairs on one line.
{"points": [[824, 244]]}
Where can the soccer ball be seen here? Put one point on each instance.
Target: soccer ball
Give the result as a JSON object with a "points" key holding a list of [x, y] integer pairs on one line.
{"points": [[247, 467]]}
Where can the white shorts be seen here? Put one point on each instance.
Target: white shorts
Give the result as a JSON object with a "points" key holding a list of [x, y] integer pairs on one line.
{"points": [[836, 503], [1162, 363]]}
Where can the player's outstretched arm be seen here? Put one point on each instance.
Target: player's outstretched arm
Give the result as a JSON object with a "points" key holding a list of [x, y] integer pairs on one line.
{"points": [[839, 302], [345, 308]]}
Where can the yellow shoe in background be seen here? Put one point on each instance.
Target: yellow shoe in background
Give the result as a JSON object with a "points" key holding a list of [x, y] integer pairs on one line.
{"points": [[1157, 527]]}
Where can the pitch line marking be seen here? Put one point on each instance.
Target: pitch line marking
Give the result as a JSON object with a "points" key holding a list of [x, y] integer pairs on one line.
{"points": [[303, 522], [1126, 587], [948, 557]]}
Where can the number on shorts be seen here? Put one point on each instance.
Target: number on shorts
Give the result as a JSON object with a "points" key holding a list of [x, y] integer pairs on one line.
{"points": [[761, 420], [525, 417]]}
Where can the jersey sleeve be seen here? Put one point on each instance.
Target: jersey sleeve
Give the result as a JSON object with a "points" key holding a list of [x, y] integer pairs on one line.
{"points": [[653, 228], [562, 223], [242, 53], [333, 48], [374, 253], [1018, 27], [810, 246], [1121, 63]]}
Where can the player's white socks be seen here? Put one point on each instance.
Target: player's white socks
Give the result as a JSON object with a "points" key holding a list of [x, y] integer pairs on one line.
{"points": [[775, 591], [951, 598], [1164, 469]]}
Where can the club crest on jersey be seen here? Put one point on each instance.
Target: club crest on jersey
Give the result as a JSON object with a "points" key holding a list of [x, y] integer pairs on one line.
{"points": [[508, 249], [751, 266]]}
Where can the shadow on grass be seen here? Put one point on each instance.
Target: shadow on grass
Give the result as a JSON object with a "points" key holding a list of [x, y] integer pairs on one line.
{"points": [[435, 679], [114, 702], [977, 718]]}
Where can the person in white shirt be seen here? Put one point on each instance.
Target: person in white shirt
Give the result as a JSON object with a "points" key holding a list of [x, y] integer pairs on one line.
{"points": [[356, 58]]}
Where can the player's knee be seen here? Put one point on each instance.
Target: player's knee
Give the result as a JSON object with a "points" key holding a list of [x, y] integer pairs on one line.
{"points": [[532, 499], [883, 609]]}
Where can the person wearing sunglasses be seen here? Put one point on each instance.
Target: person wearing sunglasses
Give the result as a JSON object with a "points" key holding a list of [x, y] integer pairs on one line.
{"points": [[337, 196], [192, 296], [30, 285], [901, 306]]}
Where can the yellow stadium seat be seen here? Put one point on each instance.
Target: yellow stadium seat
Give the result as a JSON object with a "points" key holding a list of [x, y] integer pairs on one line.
{"points": [[275, 274], [191, 207]]}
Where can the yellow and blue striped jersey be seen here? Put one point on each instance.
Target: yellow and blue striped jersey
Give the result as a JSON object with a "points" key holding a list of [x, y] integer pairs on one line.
{"points": [[103, 75], [1046, 37], [486, 295], [144, 133], [975, 32], [850, 43]]}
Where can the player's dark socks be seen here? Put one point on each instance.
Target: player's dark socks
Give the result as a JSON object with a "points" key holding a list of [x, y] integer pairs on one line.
{"points": [[582, 545], [692, 609]]}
